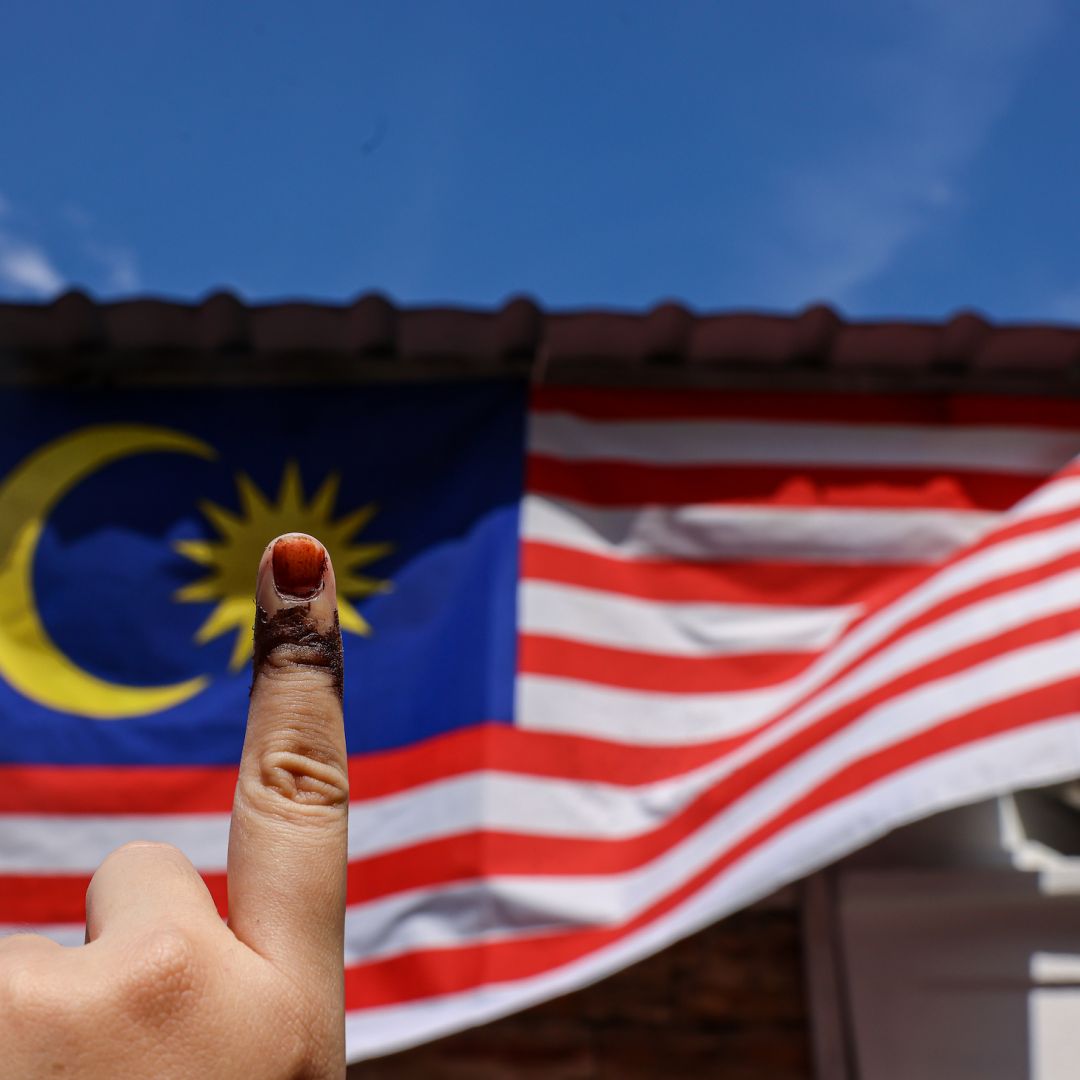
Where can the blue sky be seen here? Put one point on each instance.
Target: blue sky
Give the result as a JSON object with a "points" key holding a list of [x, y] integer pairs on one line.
{"points": [[900, 158]]}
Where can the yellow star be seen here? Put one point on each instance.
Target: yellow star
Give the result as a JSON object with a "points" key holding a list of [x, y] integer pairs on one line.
{"points": [[232, 559]]}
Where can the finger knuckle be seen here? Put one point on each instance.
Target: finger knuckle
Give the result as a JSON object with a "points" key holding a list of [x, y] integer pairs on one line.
{"points": [[299, 756], [304, 775], [163, 976], [304, 664]]}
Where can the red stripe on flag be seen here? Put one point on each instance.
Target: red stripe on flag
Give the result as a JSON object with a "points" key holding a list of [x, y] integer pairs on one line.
{"points": [[854, 407], [623, 483], [630, 669], [782, 583], [132, 789], [116, 789]]}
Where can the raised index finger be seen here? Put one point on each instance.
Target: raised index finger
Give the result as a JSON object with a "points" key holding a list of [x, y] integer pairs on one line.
{"points": [[288, 841]]}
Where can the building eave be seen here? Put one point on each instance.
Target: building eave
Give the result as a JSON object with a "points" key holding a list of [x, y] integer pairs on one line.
{"points": [[224, 340]]}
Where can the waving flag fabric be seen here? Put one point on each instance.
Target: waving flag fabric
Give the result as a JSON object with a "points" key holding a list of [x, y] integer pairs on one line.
{"points": [[618, 662]]}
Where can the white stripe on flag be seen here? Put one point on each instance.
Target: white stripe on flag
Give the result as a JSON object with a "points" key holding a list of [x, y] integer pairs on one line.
{"points": [[716, 533], [1005, 449], [676, 629], [549, 703]]}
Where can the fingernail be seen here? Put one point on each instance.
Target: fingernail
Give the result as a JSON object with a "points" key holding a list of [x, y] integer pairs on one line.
{"points": [[296, 616], [299, 565]]}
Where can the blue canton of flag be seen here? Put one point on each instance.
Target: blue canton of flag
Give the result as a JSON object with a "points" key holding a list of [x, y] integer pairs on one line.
{"points": [[134, 525]]}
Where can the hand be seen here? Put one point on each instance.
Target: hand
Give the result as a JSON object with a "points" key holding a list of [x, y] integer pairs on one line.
{"points": [[163, 988]]}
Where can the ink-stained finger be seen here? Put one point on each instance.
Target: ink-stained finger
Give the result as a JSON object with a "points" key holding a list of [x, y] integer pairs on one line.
{"points": [[287, 845]]}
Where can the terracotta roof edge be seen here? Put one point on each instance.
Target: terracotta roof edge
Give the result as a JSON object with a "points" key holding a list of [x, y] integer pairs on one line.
{"points": [[519, 334]]}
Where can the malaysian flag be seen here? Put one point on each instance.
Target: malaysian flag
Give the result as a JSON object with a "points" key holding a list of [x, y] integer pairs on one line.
{"points": [[618, 662]]}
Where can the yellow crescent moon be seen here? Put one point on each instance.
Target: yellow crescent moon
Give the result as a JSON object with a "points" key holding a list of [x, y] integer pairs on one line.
{"points": [[29, 660]]}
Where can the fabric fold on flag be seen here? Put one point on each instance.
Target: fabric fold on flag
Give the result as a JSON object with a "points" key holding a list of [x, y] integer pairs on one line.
{"points": [[965, 686]]}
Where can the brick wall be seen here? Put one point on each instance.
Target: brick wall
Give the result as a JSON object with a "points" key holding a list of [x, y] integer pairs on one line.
{"points": [[725, 1003]]}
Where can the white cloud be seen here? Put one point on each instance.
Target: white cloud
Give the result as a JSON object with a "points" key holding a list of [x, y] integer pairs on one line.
{"points": [[1065, 306], [119, 264], [26, 269], [935, 92]]}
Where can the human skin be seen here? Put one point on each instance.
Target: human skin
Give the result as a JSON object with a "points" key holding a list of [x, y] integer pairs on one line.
{"points": [[163, 987]]}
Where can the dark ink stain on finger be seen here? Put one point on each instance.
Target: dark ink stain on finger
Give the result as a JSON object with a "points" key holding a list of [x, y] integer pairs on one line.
{"points": [[294, 626]]}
